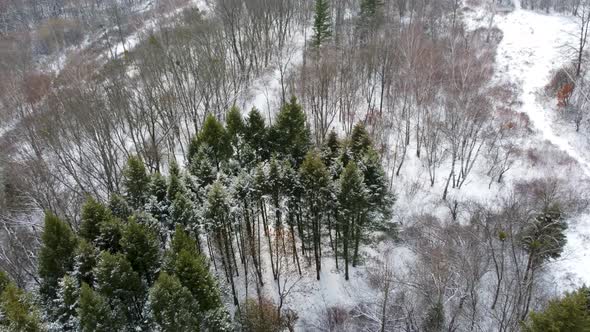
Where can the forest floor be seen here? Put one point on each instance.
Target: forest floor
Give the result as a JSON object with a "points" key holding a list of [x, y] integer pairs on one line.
{"points": [[532, 48]]}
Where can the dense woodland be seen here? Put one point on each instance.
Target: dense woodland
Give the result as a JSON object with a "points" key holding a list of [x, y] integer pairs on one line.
{"points": [[137, 193]]}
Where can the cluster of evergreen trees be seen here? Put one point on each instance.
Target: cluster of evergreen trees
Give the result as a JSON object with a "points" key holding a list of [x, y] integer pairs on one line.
{"points": [[252, 191]]}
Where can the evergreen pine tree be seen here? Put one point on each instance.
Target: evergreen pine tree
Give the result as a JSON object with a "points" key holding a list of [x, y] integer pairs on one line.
{"points": [[182, 214], [110, 235], [570, 313], [85, 261], [370, 16], [256, 134], [435, 318], [119, 207], [322, 25], [360, 142], [173, 306], [234, 124], [352, 204], [290, 135], [135, 182], [56, 256], [66, 303], [315, 178], [331, 149], [214, 136], [193, 274], [175, 186], [141, 247], [158, 187], [93, 214], [19, 313], [95, 314], [201, 166], [121, 286]]}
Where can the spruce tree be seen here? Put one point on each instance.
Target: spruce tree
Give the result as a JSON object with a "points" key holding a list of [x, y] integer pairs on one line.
{"points": [[110, 235], [121, 286], [85, 261], [202, 167], [331, 149], [315, 178], [95, 313], [175, 185], [182, 213], [93, 214], [193, 274], [136, 182], [141, 247], [322, 25], [256, 134], [66, 303], [234, 124], [19, 313], [360, 142], [56, 256], [370, 17], [290, 136], [172, 305], [119, 207], [570, 313], [214, 136], [435, 318], [352, 203]]}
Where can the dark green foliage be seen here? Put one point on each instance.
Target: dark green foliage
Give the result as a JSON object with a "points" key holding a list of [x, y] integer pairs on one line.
{"points": [[234, 124], [182, 213], [135, 181], [158, 187], [331, 149], [256, 134], [352, 200], [545, 238], [175, 186], [4, 281], [110, 235], [193, 274], [370, 16], [120, 285], [85, 261], [93, 214], [19, 313], [435, 319], [173, 306], [571, 313], [352, 195], [322, 23], [360, 141], [215, 137], [119, 207], [141, 247], [95, 313], [314, 174], [290, 136], [56, 256], [202, 166], [379, 198], [66, 303]]}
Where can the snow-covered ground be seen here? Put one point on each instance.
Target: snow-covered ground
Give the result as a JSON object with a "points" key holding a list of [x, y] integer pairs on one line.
{"points": [[531, 49]]}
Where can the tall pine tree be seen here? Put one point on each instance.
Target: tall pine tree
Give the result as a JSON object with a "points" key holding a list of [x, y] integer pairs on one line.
{"points": [[56, 256]]}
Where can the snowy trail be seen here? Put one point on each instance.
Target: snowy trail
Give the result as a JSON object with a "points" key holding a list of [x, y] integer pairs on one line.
{"points": [[530, 50]]}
